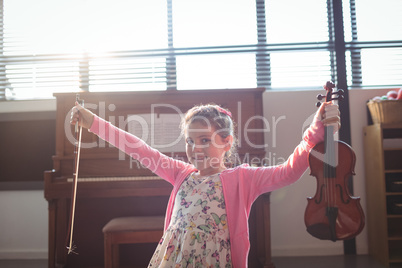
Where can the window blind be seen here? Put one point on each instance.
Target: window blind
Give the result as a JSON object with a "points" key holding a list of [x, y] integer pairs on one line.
{"points": [[188, 44], [373, 43]]}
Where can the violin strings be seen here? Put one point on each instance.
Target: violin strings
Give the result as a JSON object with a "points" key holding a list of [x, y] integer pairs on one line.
{"points": [[327, 169], [330, 167], [331, 156]]}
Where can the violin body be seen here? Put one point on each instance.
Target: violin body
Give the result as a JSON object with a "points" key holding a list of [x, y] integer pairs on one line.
{"points": [[333, 214]]}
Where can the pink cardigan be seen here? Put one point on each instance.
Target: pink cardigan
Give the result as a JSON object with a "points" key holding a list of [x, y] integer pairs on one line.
{"points": [[241, 185]]}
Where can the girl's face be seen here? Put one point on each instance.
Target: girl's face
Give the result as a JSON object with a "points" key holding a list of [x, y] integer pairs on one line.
{"points": [[205, 148]]}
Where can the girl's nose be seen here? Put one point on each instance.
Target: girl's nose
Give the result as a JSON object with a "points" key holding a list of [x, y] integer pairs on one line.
{"points": [[197, 148]]}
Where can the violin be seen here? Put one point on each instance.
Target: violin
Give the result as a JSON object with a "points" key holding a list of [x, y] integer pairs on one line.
{"points": [[333, 214]]}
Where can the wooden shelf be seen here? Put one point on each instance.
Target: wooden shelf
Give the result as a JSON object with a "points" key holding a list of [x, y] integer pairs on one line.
{"points": [[383, 173]]}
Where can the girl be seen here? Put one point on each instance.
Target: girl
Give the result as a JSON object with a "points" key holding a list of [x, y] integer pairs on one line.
{"points": [[206, 222]]}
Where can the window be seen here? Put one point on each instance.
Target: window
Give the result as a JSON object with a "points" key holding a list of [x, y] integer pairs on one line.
{"points": [[378, 20], [292, 21], [304, 24], [374, 45], [211, 31], [55, 46], [75, 26]]}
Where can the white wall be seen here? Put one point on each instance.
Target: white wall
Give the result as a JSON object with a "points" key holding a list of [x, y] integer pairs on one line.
{"points": [[23, 214], [23, 225]]}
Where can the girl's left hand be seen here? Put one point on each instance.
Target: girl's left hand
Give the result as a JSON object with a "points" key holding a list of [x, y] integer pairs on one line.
{"points": [[329, 115]]}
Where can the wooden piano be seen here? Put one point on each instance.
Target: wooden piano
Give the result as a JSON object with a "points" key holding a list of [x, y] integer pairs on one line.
{"points": [[113, 185]]}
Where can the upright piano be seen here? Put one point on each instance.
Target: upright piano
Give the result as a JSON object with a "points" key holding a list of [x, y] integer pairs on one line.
{"points": [[112, 184]]}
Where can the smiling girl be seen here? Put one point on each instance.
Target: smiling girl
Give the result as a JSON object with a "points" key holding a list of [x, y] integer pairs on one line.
{"points": [[206, 222]]}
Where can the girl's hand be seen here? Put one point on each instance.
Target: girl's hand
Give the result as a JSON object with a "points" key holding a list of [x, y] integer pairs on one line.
{"points": [[82, 116], [329, 115]]}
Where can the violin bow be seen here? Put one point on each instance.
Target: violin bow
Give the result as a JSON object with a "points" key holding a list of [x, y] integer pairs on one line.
{"points": [[77, 150]]}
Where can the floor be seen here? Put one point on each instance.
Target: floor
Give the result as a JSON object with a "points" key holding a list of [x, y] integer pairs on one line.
{"points": [[280, 262], [349, 261]]}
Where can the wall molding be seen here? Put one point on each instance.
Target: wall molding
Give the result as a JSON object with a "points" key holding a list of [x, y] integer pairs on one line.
{"points": [[297, 251]]}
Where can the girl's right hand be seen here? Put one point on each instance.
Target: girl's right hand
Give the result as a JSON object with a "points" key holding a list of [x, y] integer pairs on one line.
{"points": [[329, 115], [82, 116]]}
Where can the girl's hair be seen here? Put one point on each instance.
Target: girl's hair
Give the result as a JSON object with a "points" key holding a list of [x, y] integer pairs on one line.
{"points": [[220, 119]]}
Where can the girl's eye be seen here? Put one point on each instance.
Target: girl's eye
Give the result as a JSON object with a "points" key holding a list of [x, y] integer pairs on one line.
{"points": [[205, 140], [189, 141]]}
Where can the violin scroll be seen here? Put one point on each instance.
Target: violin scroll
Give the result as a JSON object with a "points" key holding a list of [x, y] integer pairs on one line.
{"points": [[331, 95]]}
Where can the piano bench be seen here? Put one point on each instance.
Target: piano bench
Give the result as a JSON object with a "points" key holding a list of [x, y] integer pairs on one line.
{"points": [[130, 230]]}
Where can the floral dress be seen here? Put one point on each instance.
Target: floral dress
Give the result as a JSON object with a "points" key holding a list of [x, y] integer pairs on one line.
{"points": [[198, 234]]}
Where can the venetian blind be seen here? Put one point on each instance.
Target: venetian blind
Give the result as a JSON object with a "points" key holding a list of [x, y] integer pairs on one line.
{"points": [[373, 43], [56, 46]]}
